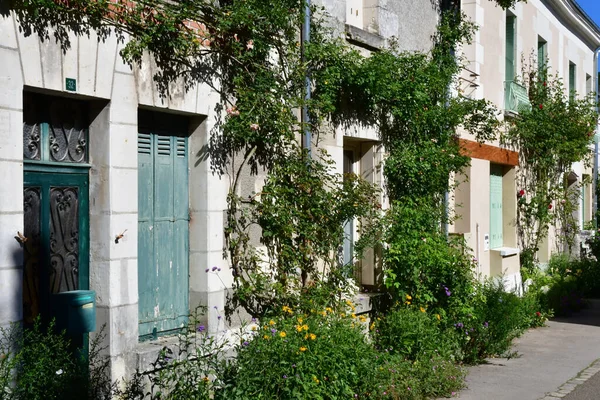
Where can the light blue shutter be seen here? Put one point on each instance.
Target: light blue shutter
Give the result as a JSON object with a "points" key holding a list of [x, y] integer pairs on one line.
{"points": [[496, 239], [510, 48], [163, 240]]}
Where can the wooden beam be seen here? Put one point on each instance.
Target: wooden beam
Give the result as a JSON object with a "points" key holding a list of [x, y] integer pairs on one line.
{"points": [[493, 154]]}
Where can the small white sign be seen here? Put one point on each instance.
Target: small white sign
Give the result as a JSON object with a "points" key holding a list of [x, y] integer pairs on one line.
{"points": [[486, 242]]}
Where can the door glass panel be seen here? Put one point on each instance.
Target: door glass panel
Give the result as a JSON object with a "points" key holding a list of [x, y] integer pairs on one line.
{"points": [[64, 239], [32, 254]]}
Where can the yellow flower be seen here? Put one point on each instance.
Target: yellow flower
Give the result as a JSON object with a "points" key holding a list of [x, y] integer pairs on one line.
{"points": [[329, 309], [287, 309], [315, 379], [422, 309], [362, 318], [312, 336], [300, 320], [305, 327], [353, 315], [282, 334], [303, 349], [271, 322], [438, 316], [408, 297], [299, 328], [205, 379], [323, 313], [266, 337], [372, 326], [407, 303], [254, 328]]}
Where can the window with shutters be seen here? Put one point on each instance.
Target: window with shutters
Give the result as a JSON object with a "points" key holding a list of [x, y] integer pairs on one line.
{"points": [[542, 55], [496, 220], [510, 48], [572, 80]]}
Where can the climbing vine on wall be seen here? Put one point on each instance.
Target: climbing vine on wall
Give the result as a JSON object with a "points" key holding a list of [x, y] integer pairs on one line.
{"points": [[554, 134]]}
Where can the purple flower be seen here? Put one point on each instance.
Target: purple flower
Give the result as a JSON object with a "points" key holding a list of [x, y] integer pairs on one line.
{"points": [[253, 320], [245, 344], [285, 377], [448, 292], [273, 330], [485, 324], [201, 328], [459, 325], [207, 269], [219, 269], [214, 268], [219, 317]]}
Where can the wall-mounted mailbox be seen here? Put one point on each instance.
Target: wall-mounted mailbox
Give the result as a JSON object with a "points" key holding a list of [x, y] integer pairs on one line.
{"points": [[75, 311]]}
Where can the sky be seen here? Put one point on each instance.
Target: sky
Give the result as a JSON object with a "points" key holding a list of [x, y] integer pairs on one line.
{"points": [[592, 8]]}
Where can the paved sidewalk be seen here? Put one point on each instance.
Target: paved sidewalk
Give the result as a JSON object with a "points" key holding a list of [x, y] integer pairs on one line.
{"points": [[551, 362]]}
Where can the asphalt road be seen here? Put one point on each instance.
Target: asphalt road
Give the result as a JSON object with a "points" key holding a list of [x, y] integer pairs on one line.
{"points": [[589, 390]]}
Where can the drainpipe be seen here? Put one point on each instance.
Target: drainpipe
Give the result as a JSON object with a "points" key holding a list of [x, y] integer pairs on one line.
{"points": [[595, 180], [305, 116]]}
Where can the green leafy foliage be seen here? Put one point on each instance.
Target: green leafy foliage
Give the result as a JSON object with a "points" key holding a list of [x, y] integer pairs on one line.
{"points": [[414, 334], [324, 356], [39, 364], [300, 211]]}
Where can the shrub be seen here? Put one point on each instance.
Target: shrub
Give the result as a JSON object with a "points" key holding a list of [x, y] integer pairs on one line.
{"points": [[314, 356], [498, 318], [39, 363], [427, 377], [413, 333], [325, 355], [422, 263]]}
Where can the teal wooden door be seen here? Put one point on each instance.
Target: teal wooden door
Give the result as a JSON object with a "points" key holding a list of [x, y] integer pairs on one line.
{"points": [[56, 253], [496, 239], [163, 241]]}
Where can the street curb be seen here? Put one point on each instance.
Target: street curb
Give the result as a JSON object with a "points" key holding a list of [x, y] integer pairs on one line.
{"points": [[572, 383]]}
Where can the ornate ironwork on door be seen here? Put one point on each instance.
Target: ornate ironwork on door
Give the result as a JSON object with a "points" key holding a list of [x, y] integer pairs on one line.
{"points": [[64, 239], [54, 129]]}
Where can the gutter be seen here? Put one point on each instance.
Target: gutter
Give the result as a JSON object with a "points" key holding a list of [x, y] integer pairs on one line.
{"points": [[307, 88], [596, 138]]}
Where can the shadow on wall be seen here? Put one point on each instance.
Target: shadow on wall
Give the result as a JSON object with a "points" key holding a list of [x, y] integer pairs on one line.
{"points": [[12, 309]]}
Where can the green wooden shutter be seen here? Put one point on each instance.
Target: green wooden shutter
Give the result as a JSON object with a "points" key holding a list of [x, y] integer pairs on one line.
{"points": [[542, 46], [163, 241], [583, 205], [496, 239], [572, 79], [510, 48]]}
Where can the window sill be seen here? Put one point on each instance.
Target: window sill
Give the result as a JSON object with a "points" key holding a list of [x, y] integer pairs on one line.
{"points": [[507, 251], [362, 38]]}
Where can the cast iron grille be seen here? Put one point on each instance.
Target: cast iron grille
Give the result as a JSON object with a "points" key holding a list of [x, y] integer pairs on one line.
{"points": [[31, 141], [54, 129], [64, 239]]}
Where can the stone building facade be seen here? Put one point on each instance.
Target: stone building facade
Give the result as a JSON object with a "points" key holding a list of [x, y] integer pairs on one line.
{"points": [[560, 32], [107, 186]]}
